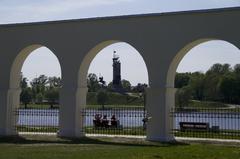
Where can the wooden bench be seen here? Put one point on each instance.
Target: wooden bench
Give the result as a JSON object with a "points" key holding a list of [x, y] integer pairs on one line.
{"points": [[194, 126], [106, 124]]}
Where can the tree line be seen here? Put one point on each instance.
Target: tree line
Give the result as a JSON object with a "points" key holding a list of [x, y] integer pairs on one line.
{"points": [[95, 85], [104, 91], [220, 83], [40, 90], [45, 90]]}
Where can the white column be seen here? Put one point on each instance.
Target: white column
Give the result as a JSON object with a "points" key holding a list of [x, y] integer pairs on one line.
{"points": [[81, 98], [70, 121], [3, 110], [158, 104], [9, 100], [170, 105]]}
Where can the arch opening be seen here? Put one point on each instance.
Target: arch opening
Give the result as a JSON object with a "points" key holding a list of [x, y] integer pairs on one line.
{"points": [[34, 90], [98, 65], [202, 75]]}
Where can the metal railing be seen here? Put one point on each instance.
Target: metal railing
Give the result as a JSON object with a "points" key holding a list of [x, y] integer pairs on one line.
{"points": [[207, 123], [37, 120], [189, 122], [128, 121], [114, 121]]}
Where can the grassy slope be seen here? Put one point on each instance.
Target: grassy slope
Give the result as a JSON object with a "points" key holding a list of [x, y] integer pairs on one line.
{"points": [[108, 148], [206, 104], [37, 106], [115, 99]]}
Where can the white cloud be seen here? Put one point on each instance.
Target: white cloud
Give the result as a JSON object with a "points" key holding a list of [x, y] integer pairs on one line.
{"points": [[68, 5], [12, 11], [55, 6], [47, 8]]}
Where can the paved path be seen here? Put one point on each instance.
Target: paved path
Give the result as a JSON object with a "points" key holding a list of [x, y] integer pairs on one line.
{"points": [[184, 139]]}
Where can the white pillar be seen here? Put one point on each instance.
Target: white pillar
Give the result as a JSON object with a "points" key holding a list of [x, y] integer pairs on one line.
{"points": [[70, 121], [170, 105], [81, 98], [3, 110], [159, 102], [9, 100]]}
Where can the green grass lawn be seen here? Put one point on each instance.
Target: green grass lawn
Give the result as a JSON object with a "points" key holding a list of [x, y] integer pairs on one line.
{"points": [[206, 104], [47, 129], [115, 99], [115, 131], [118, 100], [223, 134], [114, 106], [50, 147], [38, 106]]}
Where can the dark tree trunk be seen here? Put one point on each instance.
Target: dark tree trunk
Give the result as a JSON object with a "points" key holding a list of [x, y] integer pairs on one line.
{"points": [[103, 107]]}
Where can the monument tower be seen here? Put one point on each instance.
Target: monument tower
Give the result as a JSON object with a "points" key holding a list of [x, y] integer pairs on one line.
{"points": [[117, 86]]}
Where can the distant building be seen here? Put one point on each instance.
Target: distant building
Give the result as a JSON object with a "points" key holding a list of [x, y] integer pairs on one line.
{"points": [[117, 85], [116, 70]]}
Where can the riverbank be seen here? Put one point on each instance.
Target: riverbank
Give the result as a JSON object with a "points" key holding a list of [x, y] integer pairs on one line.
{"points": [[118, 100]]}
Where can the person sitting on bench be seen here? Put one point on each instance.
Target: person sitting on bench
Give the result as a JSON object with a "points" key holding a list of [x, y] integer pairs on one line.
{"points": [[105, 121], [97, 120], [114, 121]]}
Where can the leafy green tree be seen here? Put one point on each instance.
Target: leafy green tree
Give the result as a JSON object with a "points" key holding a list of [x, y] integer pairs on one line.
{"points": [[183, 96], [229, 88], [139, 88], [226, 68], [236, 71], [219, 69], [102, 97], [182, 79], [26, 96], [92, 83], [211, 91], [197, 85], [212, 80], [110, 86], [23, 83], [39, 81], [220, 83], [126, 85], [54, 82], [52, 95], [38, 85], [39, 98]]}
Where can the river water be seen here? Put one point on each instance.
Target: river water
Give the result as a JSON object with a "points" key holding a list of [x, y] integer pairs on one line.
{"points": [[128, 118]]}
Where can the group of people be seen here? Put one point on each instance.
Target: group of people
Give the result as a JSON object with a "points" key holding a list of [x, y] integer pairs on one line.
{"points": [[102, 121]]}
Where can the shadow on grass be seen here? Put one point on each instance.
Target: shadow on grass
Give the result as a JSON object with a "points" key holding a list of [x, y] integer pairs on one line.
{"points": [[85, 140]]}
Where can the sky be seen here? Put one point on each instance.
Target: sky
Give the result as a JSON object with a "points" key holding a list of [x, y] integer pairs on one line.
{"points": [[199, 58]]}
